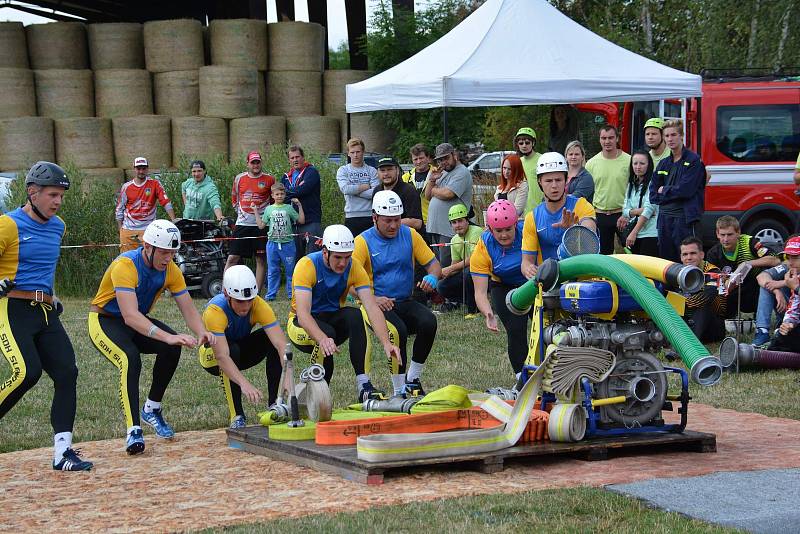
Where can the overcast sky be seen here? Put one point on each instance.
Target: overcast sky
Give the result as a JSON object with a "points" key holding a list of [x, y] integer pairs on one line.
{"points": [[337, 24]]}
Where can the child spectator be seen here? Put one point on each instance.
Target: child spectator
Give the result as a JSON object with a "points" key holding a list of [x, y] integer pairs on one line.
{"points": [[279, 218], [462, 244]]}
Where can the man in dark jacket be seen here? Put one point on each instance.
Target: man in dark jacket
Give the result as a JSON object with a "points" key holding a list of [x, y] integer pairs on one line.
{"points": [[303, 183], [677, 187]]}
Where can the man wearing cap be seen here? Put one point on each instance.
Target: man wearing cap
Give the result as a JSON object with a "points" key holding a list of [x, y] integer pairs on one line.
{"points": [[249, 188], [388, 253], [610, 169], [787, 338], [654, 139], [302, 182], [524, 142], [449, 184], [389, 176], [356, 181], [200, 195], [136, 206]]}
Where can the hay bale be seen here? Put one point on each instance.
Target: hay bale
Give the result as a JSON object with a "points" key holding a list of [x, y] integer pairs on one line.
{"points": [[116, 45], [18, 94], [256, 133], [294, 93], [319, 133], [333, 88], [177, 93], [62, 93], [262, 94], [123, 92], [228, 92], [173, 45], [371, 128], [13, 45], [24, 141], [84, 141], [145, 135], [239, 43], [199, 137], [296, 46], [57, 45], [92, 178]]}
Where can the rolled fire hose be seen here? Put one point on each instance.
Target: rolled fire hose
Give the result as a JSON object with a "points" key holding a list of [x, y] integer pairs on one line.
{"points": [[705, 369], [747, 355], [567, 423], [398, 447]]}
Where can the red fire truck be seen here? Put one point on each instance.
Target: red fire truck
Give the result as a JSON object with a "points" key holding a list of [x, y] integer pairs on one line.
{"points": [[747, 131]]}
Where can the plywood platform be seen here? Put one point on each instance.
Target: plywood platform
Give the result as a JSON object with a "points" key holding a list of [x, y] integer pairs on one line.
{"points": [[342, 460]]}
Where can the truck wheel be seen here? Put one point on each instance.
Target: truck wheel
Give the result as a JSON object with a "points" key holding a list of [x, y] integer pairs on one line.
{"points": [[211, 286], [768, 231]]}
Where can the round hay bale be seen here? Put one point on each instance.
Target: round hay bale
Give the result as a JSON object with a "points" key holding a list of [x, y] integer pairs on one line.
{"points": [[57, 45], [146, 135], [256, 133], [84, 141], [239, 43], [62, 93], [296, 46], [173, 45], [199, 137], [333, 88], [262, 94], [123, 92], [19, 96], [228, 92], [24, 141], [177, 93], [111, 177], [319, 133], [116, 45], [371, 128], [294, 93], [13, 45]]}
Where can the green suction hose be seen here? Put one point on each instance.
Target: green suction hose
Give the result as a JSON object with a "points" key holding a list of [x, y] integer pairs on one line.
{"points": [[705, 369]]}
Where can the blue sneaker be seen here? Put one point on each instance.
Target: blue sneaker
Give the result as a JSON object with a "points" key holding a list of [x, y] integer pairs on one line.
{"points": [[70, 461], [135, 442], [238, 422], [413, 388], [761, 338], [368, 392], [156, 420]]}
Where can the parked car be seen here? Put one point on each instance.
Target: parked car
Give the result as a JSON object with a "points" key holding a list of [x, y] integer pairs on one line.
{"points": [[370, 158], [489, 161]]}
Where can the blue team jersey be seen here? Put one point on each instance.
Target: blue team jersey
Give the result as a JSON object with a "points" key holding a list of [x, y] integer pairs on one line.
{"points": [[549, 237], [29, 250], [220, 319], [503, 264], [328, 288]]}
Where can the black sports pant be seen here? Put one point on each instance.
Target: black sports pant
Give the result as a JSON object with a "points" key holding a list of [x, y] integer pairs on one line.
{"points": [[411, 317], [516, 325]]}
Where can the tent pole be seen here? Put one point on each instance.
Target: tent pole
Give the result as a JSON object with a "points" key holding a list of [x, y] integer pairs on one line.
{"points": [[348, 127], [444, 124]]}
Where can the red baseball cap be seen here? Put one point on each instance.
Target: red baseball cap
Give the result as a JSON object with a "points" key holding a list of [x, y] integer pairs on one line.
{"points": [[252, 156], [792, 247]]}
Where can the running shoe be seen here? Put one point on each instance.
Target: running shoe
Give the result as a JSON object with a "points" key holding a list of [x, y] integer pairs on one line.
{"points": [[135, 443], [70, 461], [762, 338], [413, 388], [368, 392], [238, 422], [156, 420]]}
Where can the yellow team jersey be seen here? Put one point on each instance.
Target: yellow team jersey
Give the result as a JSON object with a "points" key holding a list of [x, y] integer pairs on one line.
{"points": [[328, 289], [540, 238]]}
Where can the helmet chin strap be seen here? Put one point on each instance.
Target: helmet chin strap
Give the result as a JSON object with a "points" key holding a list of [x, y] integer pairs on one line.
{"points": [[559, 199], [36, 210]]}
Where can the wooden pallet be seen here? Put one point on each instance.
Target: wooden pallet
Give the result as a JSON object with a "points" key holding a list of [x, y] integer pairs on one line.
{"points": [[342, 459]]}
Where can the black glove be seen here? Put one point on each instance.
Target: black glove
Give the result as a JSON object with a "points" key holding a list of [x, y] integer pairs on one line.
{"points": [[6, 285]]}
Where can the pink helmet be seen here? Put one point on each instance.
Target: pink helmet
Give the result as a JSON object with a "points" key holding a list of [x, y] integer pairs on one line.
{"points": [[501, 214]]}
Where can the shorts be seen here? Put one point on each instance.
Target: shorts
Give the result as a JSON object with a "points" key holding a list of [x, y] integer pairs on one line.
{"points": [[245, 248]]}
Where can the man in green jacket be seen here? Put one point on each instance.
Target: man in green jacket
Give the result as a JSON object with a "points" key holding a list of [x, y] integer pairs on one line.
{"points": [[525, 143], [200, 195]]}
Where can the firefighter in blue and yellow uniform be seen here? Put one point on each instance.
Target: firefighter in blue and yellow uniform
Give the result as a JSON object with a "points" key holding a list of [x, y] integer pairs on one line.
{"points": [[494, 266], [121, 330], [545, 225], [319, 320], [31, 335], [389, 252], [231, 316]]}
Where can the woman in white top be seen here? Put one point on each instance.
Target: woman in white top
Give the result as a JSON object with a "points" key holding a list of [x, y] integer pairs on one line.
{"points": [[513, 185]]}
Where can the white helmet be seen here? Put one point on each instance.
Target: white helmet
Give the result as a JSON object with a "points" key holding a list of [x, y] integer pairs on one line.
{"points": [[239, 283], [338, 238], [551, 162], [387, 203], [162, 234]]}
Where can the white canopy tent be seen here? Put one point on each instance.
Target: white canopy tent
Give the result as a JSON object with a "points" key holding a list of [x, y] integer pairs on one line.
{"points": [[519, 52]]}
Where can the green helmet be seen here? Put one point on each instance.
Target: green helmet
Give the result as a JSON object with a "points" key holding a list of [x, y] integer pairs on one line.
{"points": [[655, 122], [530, 132], [459, 211]]}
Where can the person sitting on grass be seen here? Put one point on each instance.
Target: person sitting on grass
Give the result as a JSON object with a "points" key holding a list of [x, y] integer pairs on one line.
{"points": [[280, 217], [453, 282], [120, 328], [705, 309], [787, 337], [231, 316], [773, 296]]}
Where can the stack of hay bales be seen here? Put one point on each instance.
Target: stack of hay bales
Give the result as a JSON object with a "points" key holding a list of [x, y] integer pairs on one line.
{"points": [[255, 133], [14, 46]]}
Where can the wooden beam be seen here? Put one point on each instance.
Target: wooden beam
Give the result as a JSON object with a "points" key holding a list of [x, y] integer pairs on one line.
{"points": [[356, 12]]}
